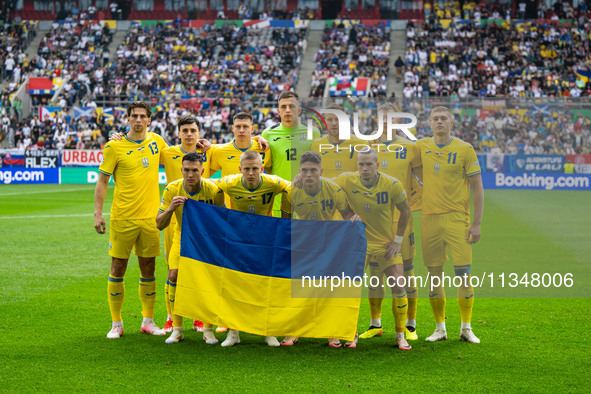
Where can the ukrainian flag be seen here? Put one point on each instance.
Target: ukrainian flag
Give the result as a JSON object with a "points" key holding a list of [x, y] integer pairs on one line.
{"points": [[250, 273], [585, 75]]}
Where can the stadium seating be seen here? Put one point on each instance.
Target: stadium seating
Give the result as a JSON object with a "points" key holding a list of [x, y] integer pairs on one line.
{"points": [[356, 52], [506, 58]]}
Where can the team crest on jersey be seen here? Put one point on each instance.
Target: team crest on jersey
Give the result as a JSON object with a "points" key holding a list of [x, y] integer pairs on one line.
{"points": [[252, 209], [146, 162], [384, 163], [313, 215], [367, 206], [303, 137], [436, 168], [338, 165]]}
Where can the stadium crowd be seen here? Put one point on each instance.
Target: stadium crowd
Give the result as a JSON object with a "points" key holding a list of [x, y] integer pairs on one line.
{"points": [[348, 53], [512, 58], [229, 61], [15, 63], [73, 50], [558, 131], [63, 131]]}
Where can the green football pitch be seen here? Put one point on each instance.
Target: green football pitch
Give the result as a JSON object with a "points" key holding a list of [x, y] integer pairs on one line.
{"points": [[54, 313]]}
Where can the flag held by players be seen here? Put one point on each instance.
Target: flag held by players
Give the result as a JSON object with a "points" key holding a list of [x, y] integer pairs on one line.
{"points": [[245, 272]]}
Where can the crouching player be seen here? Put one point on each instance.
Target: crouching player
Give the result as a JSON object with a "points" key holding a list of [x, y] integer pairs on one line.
{"points": [[374, 197], [317, 198], [191, 186], [254, 192]]}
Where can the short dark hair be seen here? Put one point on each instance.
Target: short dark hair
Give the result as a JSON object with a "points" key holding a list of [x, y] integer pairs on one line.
{"points": [[193, 157], [311, 157], [242, 115], [139, 104], [288, 94], [188, 119]]}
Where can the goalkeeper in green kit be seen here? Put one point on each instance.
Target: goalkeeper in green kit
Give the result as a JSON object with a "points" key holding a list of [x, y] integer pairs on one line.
{"points": [[287, 141]]}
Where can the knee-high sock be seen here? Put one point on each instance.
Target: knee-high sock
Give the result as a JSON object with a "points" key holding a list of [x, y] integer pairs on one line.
{"points": [[399, 310], [147, 292], [177, 321], [437, 300], [116, 294], [166, 298], [466, 302], [376, 294], [411, 291]]}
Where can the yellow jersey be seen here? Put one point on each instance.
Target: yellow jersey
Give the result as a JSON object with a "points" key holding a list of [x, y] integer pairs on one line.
{"points": [[172, 160], [337, 158], [374, 204], [259, 200], [445, 175], [134, 166], [398, 158], [322, 205], [208, 193], [227, 157]]}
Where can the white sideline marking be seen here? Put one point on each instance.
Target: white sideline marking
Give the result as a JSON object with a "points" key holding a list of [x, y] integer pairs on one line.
{"points": [[43, 192], [50, 216]]}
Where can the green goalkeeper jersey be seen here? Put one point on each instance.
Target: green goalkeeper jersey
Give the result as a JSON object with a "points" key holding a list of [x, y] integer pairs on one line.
{"points": [[287, 144]]}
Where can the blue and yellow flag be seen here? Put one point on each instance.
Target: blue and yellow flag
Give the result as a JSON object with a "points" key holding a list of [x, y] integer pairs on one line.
{"points": [[585, 75], [262, 274]]}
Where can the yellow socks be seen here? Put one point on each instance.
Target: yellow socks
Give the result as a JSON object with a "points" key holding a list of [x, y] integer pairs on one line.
{"points": [[466, 303], [147, 292], [116, 294], [399, 310], [177, 321], [412, 292], [166, 298]]}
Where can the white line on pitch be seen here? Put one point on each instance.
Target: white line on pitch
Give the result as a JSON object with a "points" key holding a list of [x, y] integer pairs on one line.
{"points": [[43, 192], [49, 216]]}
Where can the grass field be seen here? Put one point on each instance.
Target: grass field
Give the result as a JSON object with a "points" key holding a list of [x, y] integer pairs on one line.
{"points": [[54, 314]]}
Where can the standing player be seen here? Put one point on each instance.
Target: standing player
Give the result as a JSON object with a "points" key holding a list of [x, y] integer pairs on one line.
{"points": [[338, 156], [227, 156], [193, 187], [171, 158], [133, 162], [398, 158], [254, 192], [450, 168], [317, 199], [288, 139], [373, 196]]}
